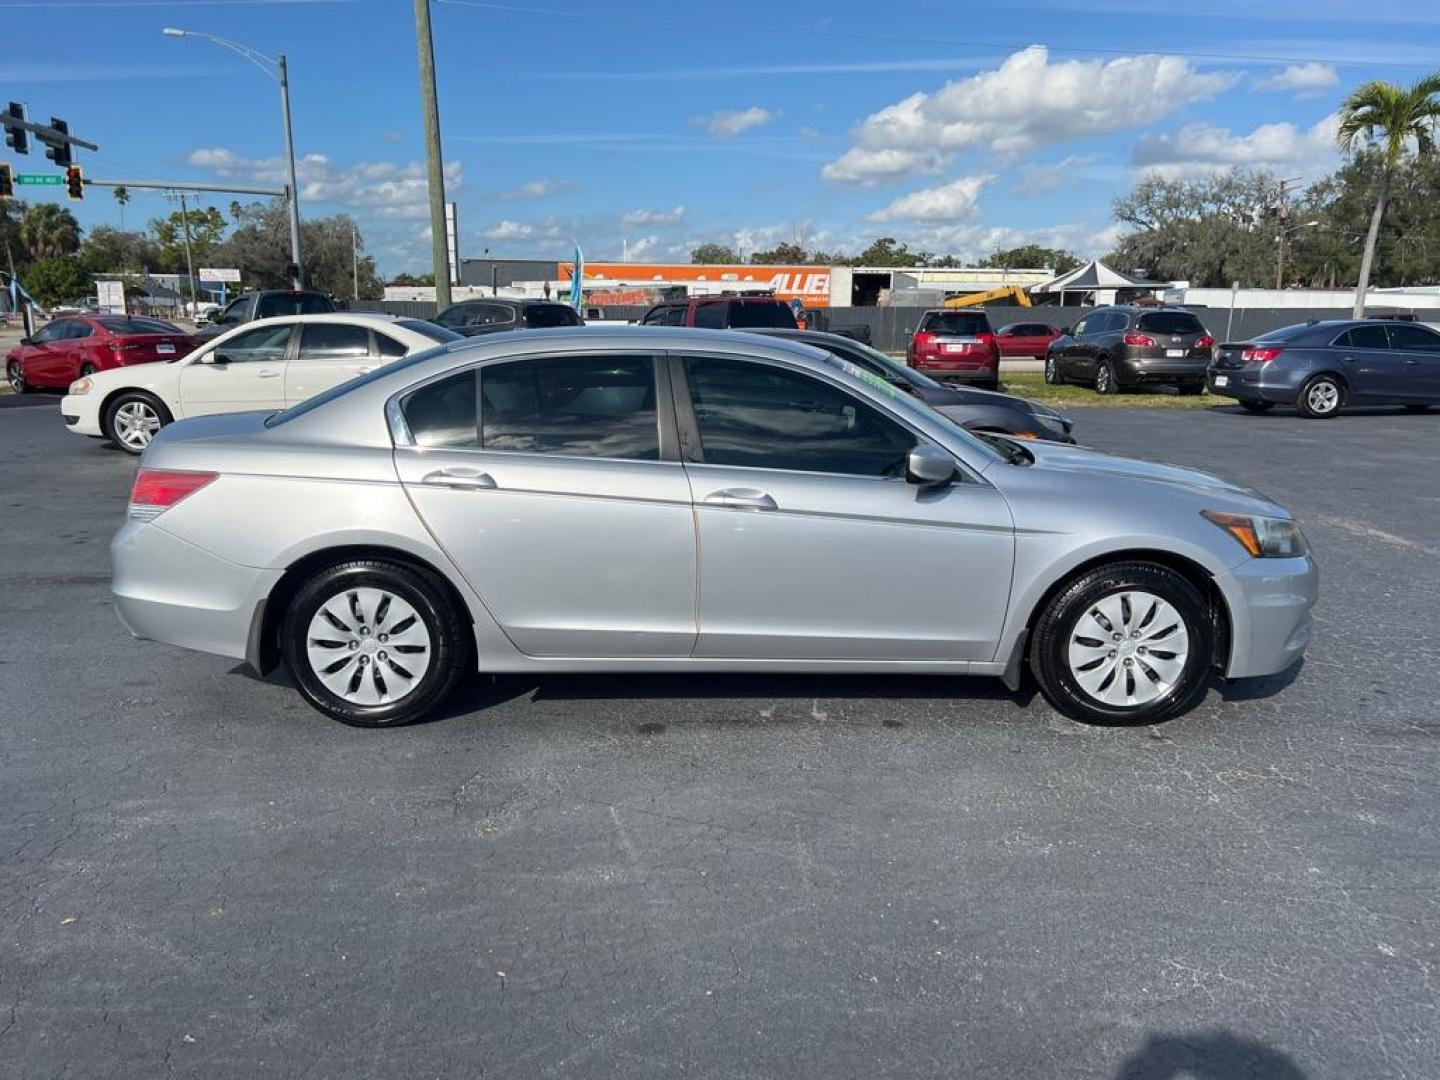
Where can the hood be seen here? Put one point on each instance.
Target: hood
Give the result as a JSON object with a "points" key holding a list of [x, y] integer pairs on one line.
{"points": [[1059, 457]]}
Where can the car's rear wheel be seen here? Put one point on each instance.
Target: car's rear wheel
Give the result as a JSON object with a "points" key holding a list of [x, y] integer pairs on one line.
{"points": [[15, 376], [373, 643], [1321, 397], [132, 419], [1105, 380], [1191, 388], [1127, 643], [1257, 406]]}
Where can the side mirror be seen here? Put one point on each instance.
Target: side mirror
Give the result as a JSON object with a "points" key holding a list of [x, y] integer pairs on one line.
{"points": [[928, 465], [219, 359], [1064, 331], [26, 341]]}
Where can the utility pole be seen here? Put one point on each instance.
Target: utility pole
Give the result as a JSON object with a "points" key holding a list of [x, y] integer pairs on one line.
{"points": [[435, 169], [298, 278], [355, 260], [1283, 216]]}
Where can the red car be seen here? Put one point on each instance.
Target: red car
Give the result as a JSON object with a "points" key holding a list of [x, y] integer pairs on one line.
{"points": [[68, 349], [1024, 339], [956, 346]]}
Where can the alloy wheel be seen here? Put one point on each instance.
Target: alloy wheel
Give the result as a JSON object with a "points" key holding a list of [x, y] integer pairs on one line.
{"points": [[136, 423], [1128, 649], [1102, 379], [15, 376], [1323, 397], [368, 646], [1050, 370]]}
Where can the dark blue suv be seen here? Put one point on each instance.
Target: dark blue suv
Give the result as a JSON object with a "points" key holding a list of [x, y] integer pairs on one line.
{"points": [[1321, 367]]}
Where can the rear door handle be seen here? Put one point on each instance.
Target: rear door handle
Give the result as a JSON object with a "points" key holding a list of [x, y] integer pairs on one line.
{"points": [[466, 480], [741, 499], [267, 374]]}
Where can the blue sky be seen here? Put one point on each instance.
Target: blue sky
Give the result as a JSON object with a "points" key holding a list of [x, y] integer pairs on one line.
{"points": [[954, 126]]}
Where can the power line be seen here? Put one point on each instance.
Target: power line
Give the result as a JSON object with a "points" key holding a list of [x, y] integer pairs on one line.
{"points": [[964, 43]]}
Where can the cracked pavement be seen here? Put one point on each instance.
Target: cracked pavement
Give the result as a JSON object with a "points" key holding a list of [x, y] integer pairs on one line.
{"points": [[638, 876]]}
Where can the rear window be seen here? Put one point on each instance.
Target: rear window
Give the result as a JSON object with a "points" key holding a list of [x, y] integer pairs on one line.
{"points": [[273, 304], [1292, 333], [138, 326], [1170, 322], [1364, 337], [539, 316], [748, 315], [959, 323], [429, 330]]}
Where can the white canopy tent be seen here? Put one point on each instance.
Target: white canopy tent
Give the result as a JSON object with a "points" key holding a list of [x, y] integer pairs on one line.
{"points": [[1093, 277]]}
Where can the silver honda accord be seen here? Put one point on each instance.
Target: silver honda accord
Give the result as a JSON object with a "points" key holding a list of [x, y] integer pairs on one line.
{"points": [[654, 499]]}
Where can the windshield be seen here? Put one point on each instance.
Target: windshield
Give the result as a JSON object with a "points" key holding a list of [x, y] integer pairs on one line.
{"points": [[272, 304], [902, 402], [429, 330], [284, 416], [748, 315], [539, 316], [888, 365]]}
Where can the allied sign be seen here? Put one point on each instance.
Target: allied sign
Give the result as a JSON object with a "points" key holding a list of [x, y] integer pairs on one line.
{"points": [[48, 179], [210, 274], [810, 284]]}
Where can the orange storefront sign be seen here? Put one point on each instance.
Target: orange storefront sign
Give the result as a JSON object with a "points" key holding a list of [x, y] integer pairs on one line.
{"points": [[809, 284]]}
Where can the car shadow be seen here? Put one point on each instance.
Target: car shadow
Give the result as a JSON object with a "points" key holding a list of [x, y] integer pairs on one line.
{"points": [[1208, 1055], [1258, 689]]}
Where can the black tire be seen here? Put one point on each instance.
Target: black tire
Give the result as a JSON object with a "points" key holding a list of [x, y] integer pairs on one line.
{"points": [[1416, 408], [1106, 381], [15, 376], [992, 384], [1077, 600], [1321, 388], [1257, 406], [86, 370], [1052, 371], [449, 650], [1191, 389], [111, 421]]}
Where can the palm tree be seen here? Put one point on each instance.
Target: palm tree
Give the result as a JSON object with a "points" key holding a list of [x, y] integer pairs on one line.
{"points": [[122, 196], [49, 231], [1389, 117]]}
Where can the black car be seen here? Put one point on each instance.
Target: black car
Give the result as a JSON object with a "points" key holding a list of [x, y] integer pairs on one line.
{"points": [[1118, 348], [1321, 367], [265, 304], [979, 411], [496, 314]]}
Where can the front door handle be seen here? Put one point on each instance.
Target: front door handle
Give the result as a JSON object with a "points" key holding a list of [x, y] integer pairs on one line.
{"points": [[741, 499], [267, 374], [466, 480]]}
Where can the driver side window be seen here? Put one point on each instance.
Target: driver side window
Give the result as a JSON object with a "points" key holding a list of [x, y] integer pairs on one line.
{"points": [[760, 416], [268, 343]]}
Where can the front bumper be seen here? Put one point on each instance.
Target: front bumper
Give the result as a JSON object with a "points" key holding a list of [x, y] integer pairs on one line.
{"points": [[167, 589], [1270, 602], [81, 414]]}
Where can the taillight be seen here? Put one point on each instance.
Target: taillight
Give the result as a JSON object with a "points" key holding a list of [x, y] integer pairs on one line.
{"points": [[1133, 338], [1261, 355], [985, 337], [923, 340], [156, 490], [1206, 342]]}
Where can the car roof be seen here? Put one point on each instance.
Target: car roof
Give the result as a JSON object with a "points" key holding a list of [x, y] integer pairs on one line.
{"points": [[380, 318], [518, 301]]}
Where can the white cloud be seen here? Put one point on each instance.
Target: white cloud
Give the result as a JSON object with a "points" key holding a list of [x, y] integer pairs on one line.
{"points": [[1200, 147], [384, 189], [1035, 179], [645, 246], [1025, 103], [1305, 80], [536, 189], [727, 123], [654, 217], [508, 230], [949, 202]]}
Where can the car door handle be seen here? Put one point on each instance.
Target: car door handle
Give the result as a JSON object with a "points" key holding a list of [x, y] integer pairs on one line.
{"points": [[365, 370], [267, 374], [1412, 363], [461, 481], [741, 499]]}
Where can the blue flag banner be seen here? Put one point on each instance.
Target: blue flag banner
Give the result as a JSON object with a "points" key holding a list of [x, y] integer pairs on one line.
{"points": [[577, 276]]}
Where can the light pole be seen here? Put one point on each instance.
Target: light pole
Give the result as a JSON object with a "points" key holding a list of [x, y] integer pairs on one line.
{"points": [[276, 71], [1280, 249]]}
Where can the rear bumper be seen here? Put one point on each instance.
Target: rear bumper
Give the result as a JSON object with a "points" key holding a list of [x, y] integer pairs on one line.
{"points": [[1139, 370], [167, 589], [1270, 602], [962, 369], [1265, 383]]}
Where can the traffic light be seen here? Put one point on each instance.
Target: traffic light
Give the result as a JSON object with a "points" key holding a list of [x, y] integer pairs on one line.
{"points": [[58, 150], [17, 138], [7, 181], [75, 182]]}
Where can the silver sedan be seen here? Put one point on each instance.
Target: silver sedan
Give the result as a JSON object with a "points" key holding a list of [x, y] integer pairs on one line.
{"points": [[654, 499]]}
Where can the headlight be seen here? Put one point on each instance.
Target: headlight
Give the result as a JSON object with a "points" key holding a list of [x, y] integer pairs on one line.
{"points": [[81, 386], [1262, 537], [1055, 424]]}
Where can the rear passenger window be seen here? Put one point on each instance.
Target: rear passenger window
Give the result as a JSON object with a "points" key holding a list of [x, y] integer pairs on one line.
{"points": [[710, 316], [1411, 338], [583, 406], [389, 347], [442, 414], [1363, 337]]}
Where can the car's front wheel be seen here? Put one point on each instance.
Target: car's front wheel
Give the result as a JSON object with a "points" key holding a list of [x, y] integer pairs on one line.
{"points": [[1126, 643], [1052, 375], [132, 419], [1257, 406], [15, 376], [1321, 397], [373, 643]]}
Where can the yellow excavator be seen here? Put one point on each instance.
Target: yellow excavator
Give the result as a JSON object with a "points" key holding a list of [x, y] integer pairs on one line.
{"points": [[1010, 292]]}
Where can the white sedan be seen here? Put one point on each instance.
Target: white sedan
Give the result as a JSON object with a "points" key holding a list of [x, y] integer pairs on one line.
{"points": [[266, 364]]}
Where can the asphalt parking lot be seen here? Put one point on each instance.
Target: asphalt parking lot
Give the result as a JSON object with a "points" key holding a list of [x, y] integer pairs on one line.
{"points": [[725, 876]]}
